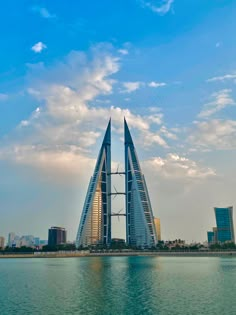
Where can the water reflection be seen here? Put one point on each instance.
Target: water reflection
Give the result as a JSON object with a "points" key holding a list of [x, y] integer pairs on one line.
{"points": [[118, 285]]}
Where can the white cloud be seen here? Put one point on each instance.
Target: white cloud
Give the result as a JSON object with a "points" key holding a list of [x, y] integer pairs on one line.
{"points": [[123, 51], [220, 100], [3, 97], [149, 138], [156, 84], [214, 135], [156, 118], [174, 166], [38, 47], [167, 133], [131, 86], [160, 7], [225, 77], [65, 127], [43, 12]]}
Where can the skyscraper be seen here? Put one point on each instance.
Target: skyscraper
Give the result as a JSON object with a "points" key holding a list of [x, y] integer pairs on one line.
{"points": [[224, 223], [56, 236], [140, 228], [95, 222]]}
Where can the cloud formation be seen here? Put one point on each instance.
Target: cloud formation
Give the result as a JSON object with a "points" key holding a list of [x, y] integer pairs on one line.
{"points": [[215, 134], [38, 47], [160, 7], [174, 166], [156, 84], [131, 86], [225, 77], [220, 100], [67, 122]]}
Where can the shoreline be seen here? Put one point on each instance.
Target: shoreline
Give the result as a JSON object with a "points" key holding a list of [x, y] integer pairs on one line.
{"points": [[120, 254]]}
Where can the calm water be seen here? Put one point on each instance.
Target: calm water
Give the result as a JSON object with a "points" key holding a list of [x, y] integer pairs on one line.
{"points": [[118, 285]]}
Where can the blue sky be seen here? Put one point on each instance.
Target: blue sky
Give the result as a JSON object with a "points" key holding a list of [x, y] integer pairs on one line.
{"points": [[65, 67]]}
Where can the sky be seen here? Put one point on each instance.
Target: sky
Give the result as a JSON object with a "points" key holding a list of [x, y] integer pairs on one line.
{"points": [[66, 67]]}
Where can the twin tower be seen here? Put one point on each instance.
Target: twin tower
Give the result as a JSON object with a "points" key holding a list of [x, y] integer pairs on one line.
{"points": [[95, 222]]}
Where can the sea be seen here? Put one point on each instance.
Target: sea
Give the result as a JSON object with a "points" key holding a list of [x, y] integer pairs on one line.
{"points": [[118, 285]]}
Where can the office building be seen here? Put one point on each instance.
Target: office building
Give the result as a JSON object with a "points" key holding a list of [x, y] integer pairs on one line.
{"points": [[224, 224], [157, 223], [140, 228], [210, 237], [56, 236], [2, 242], [224, 230], [95, 222]]}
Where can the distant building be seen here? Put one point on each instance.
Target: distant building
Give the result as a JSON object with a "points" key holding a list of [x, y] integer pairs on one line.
{"points": [[224, 230], [11, 239], [56, 236], [224, 223], [27, 241], [157, 223], [36, 241], [2, 242], [210, 237]]}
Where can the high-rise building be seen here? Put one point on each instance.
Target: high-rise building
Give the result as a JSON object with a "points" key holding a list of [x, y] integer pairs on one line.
{"points": [[56, 236], [225, 225], [11, 239], [95, 222], [224, 230], [157, 223], [140, 228], [2, 242]]}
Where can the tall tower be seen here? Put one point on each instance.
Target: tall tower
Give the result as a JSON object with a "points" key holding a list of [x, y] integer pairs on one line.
{"points": [[95, 222], [140, 228]]}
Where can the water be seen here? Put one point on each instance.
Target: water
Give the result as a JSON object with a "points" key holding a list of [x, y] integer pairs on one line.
{"points": [[118, 285]]}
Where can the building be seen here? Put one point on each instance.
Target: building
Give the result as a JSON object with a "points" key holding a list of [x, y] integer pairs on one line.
{"points": [[157, 223], [27, 241], [95, 222], [140, 228], [224, 230], [11, 239], [2, 242], [225, 225], [56, 236], [210, 237], [36, 241]]}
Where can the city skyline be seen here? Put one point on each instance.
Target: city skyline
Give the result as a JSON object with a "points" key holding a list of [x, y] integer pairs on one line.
{"points": [[64, 73]]}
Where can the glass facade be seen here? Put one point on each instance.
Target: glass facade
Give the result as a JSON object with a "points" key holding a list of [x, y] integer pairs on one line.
{"points": [[140, 228], [95, 222], [210, 237], [224, 222]]}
